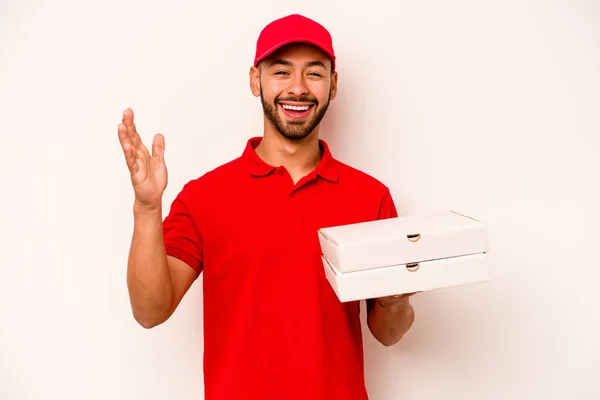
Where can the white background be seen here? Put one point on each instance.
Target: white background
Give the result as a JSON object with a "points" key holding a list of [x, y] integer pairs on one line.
{"points": [[487, 107]]}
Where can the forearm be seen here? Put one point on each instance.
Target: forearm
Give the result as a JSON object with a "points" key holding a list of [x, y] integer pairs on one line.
{"points": [[389, 324], [148, 276]]}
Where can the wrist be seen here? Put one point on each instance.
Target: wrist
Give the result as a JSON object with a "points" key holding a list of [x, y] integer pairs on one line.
{"points": [[142, 208]]}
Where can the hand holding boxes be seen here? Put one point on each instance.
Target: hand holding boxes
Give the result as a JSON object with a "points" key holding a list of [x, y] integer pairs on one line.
{"points": [[407, 254]]}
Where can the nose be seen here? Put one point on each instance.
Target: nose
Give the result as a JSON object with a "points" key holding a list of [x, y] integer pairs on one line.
{"points": [[298, 85]]}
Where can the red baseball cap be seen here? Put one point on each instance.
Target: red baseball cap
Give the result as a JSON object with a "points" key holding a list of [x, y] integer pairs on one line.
{"points": [[293, 28]]}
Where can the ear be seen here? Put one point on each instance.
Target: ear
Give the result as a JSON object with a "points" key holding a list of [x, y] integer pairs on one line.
{"points": [[255, 81], [334, 82]]}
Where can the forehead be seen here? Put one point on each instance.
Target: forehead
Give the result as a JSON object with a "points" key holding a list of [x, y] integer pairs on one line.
{"points": [[299, 53]]}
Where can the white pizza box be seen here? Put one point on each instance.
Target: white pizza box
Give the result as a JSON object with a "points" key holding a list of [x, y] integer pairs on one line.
{"points": [[407, 278], [422, 236]]}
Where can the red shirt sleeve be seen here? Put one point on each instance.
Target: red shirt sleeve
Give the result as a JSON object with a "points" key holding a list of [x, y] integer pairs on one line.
{"points": [[387, 208], [181, 236]]}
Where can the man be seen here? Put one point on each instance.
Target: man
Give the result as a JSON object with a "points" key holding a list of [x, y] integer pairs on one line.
{"points": [[274, 328]]}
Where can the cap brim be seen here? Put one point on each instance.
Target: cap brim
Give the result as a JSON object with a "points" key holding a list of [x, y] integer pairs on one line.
{"points": [[295, 40]]}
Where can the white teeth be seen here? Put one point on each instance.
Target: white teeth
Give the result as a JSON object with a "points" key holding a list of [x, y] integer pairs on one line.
{"points": [[295, 108]]}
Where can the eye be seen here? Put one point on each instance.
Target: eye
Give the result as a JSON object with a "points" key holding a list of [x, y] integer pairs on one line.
{"points": [[280, 73], [315, 74]]}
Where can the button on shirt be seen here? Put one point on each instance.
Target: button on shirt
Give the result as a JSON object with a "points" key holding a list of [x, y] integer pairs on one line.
{"points": [[273, 327]]}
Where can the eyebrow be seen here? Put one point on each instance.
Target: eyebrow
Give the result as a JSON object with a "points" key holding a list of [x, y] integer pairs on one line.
{"points": [[315, 64], [289, 63]]}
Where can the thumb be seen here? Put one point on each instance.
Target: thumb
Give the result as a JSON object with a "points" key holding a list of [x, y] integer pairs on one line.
{"points": [[158, 147]]}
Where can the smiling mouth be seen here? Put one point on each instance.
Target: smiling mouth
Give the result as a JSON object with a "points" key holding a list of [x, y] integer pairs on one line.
{"points": [[296, 111]]}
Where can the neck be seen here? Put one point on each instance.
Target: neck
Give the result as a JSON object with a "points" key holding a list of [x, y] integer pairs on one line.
{"points": [[299, 157]]}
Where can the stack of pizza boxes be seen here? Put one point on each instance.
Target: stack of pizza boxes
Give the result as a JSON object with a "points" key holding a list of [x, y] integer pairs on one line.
{"points": [[411, 253]]}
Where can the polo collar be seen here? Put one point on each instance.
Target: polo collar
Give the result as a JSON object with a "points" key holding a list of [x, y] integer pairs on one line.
{"points": [[326, 169]]}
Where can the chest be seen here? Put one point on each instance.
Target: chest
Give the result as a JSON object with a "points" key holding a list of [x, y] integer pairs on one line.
{"points": [[269, 228]]}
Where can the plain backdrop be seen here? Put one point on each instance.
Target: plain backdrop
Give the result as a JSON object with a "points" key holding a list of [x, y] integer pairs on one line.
{"points": [[490, 108]]}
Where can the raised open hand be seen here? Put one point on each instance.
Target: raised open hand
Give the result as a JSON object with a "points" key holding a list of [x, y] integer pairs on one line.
{"points": [[148, 172]]}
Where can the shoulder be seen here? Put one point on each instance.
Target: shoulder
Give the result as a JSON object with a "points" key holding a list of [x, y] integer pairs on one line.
{"points": [[371, 194], [357, 179], [213, 179]]}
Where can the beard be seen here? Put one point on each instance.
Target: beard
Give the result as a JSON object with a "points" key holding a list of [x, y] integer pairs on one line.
{"points": [[294, 130]]}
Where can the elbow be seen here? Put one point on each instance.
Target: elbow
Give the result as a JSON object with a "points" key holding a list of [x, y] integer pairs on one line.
{"points": [[150, 314], [149, 321]]}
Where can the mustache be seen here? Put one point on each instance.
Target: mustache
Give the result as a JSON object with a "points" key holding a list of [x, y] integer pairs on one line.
{"points": [[301, 99]]}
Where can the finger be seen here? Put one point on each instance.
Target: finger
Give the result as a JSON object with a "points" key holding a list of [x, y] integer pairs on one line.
{"points": [[124, 135], [158, 147], [134, 136], [128, 149], [131, 128], [122, 131], [131, 157]]}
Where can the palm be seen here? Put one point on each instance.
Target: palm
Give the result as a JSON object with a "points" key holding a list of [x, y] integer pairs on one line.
{"points": [[148, 171]]}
